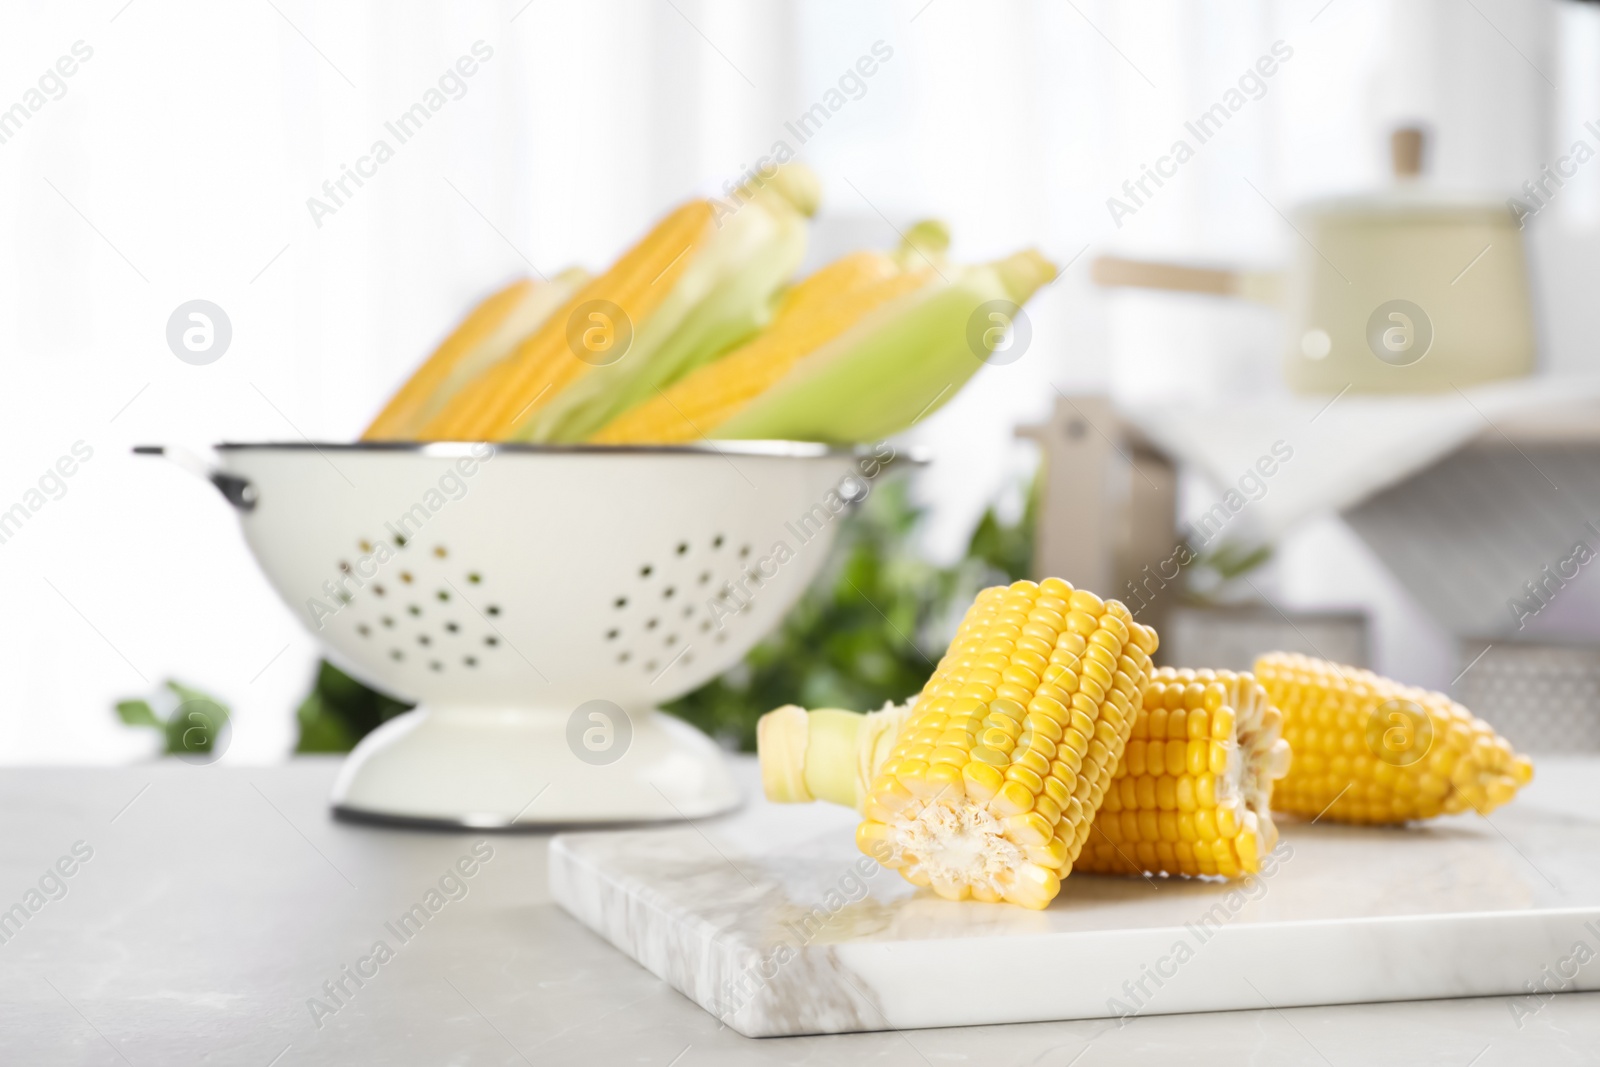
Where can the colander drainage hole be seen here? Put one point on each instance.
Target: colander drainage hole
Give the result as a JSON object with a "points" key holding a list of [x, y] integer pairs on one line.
{"points": [[491, 641], [612, 635], [471, 661], [672, 639], [439, 551], [396, 654], [364, 630], [646, 571], [378, 589], [424, 639], [443, 594], [451, 627], [721, 638], [705, 625], [474, 577], [388, 620], [705, 576], [716, 542], [667, 595], [621, 602], [652, 624], [744, 551], [683, 548], [650, 666], [364, 545], [413, 609], [436, 666], [623, 657], [492, 609], [688, 609], [405, 576]]}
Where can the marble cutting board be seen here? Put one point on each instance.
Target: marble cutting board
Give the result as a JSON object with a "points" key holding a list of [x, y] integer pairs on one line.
{"points": [[771, 920]]}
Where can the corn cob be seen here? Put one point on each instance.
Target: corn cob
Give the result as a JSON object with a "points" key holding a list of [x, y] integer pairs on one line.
{"points": [[726, 294], [1192, 793], [486, 336], [496, 404], [1370, 750], [892, 368], [986, 787], [813, 313]]}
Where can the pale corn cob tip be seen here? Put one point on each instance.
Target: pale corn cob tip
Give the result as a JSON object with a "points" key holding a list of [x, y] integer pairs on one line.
{"points": [[781, 739], [1370, 750], [1192, 794], [825, 753], [993, 781]]}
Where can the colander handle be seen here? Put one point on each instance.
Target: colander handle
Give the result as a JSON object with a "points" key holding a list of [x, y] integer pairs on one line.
{"points": [[240, 492]]}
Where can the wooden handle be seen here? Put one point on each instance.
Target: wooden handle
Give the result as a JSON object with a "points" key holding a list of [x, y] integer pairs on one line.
{"points": [[1114, 271], [1264, 287], [1406, 146]]}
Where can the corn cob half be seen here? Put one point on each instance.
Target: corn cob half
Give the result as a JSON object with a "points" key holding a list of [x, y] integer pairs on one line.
{"points": [[1370, 750], [1192, 794], [543, 365], [987, 785], [486, 336]]}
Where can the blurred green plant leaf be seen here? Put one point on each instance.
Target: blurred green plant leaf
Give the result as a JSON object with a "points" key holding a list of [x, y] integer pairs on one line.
{"points": [[1209, 575], [192, 726], [137, 713], [339, 711]]}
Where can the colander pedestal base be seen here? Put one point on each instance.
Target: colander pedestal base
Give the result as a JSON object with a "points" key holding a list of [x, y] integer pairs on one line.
{"points": [[487, 768]]}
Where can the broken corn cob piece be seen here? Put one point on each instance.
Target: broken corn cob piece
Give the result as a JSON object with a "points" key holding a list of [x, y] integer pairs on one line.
{"points": [[814, 312], [1192, 794], [1370, 750], [992, 777], [485, 337]]}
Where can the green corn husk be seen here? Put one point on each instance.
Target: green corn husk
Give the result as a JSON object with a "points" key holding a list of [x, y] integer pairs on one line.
{"points": [[896, 365], [926, 243], [725, 297]]}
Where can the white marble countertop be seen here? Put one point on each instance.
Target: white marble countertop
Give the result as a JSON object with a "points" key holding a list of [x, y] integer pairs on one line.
{"points": [[215, 903]]}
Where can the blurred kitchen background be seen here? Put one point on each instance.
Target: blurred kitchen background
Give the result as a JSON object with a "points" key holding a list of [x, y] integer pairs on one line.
{"points": [[177, 162]]}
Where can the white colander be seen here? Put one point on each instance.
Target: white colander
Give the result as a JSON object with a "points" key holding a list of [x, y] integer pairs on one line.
{"points": [[538, 602]]}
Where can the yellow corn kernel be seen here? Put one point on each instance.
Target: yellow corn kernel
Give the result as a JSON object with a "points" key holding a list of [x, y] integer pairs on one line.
{"points": [[982, 781]]}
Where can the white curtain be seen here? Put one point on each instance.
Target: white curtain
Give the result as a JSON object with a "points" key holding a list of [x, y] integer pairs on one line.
{"points": [[176, 162]]}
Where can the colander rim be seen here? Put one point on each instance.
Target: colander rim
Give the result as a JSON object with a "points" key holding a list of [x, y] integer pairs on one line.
{"points": [[776, 449]]}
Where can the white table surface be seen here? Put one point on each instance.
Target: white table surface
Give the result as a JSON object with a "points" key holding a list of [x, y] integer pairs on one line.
{"points": [[218, 901]]}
